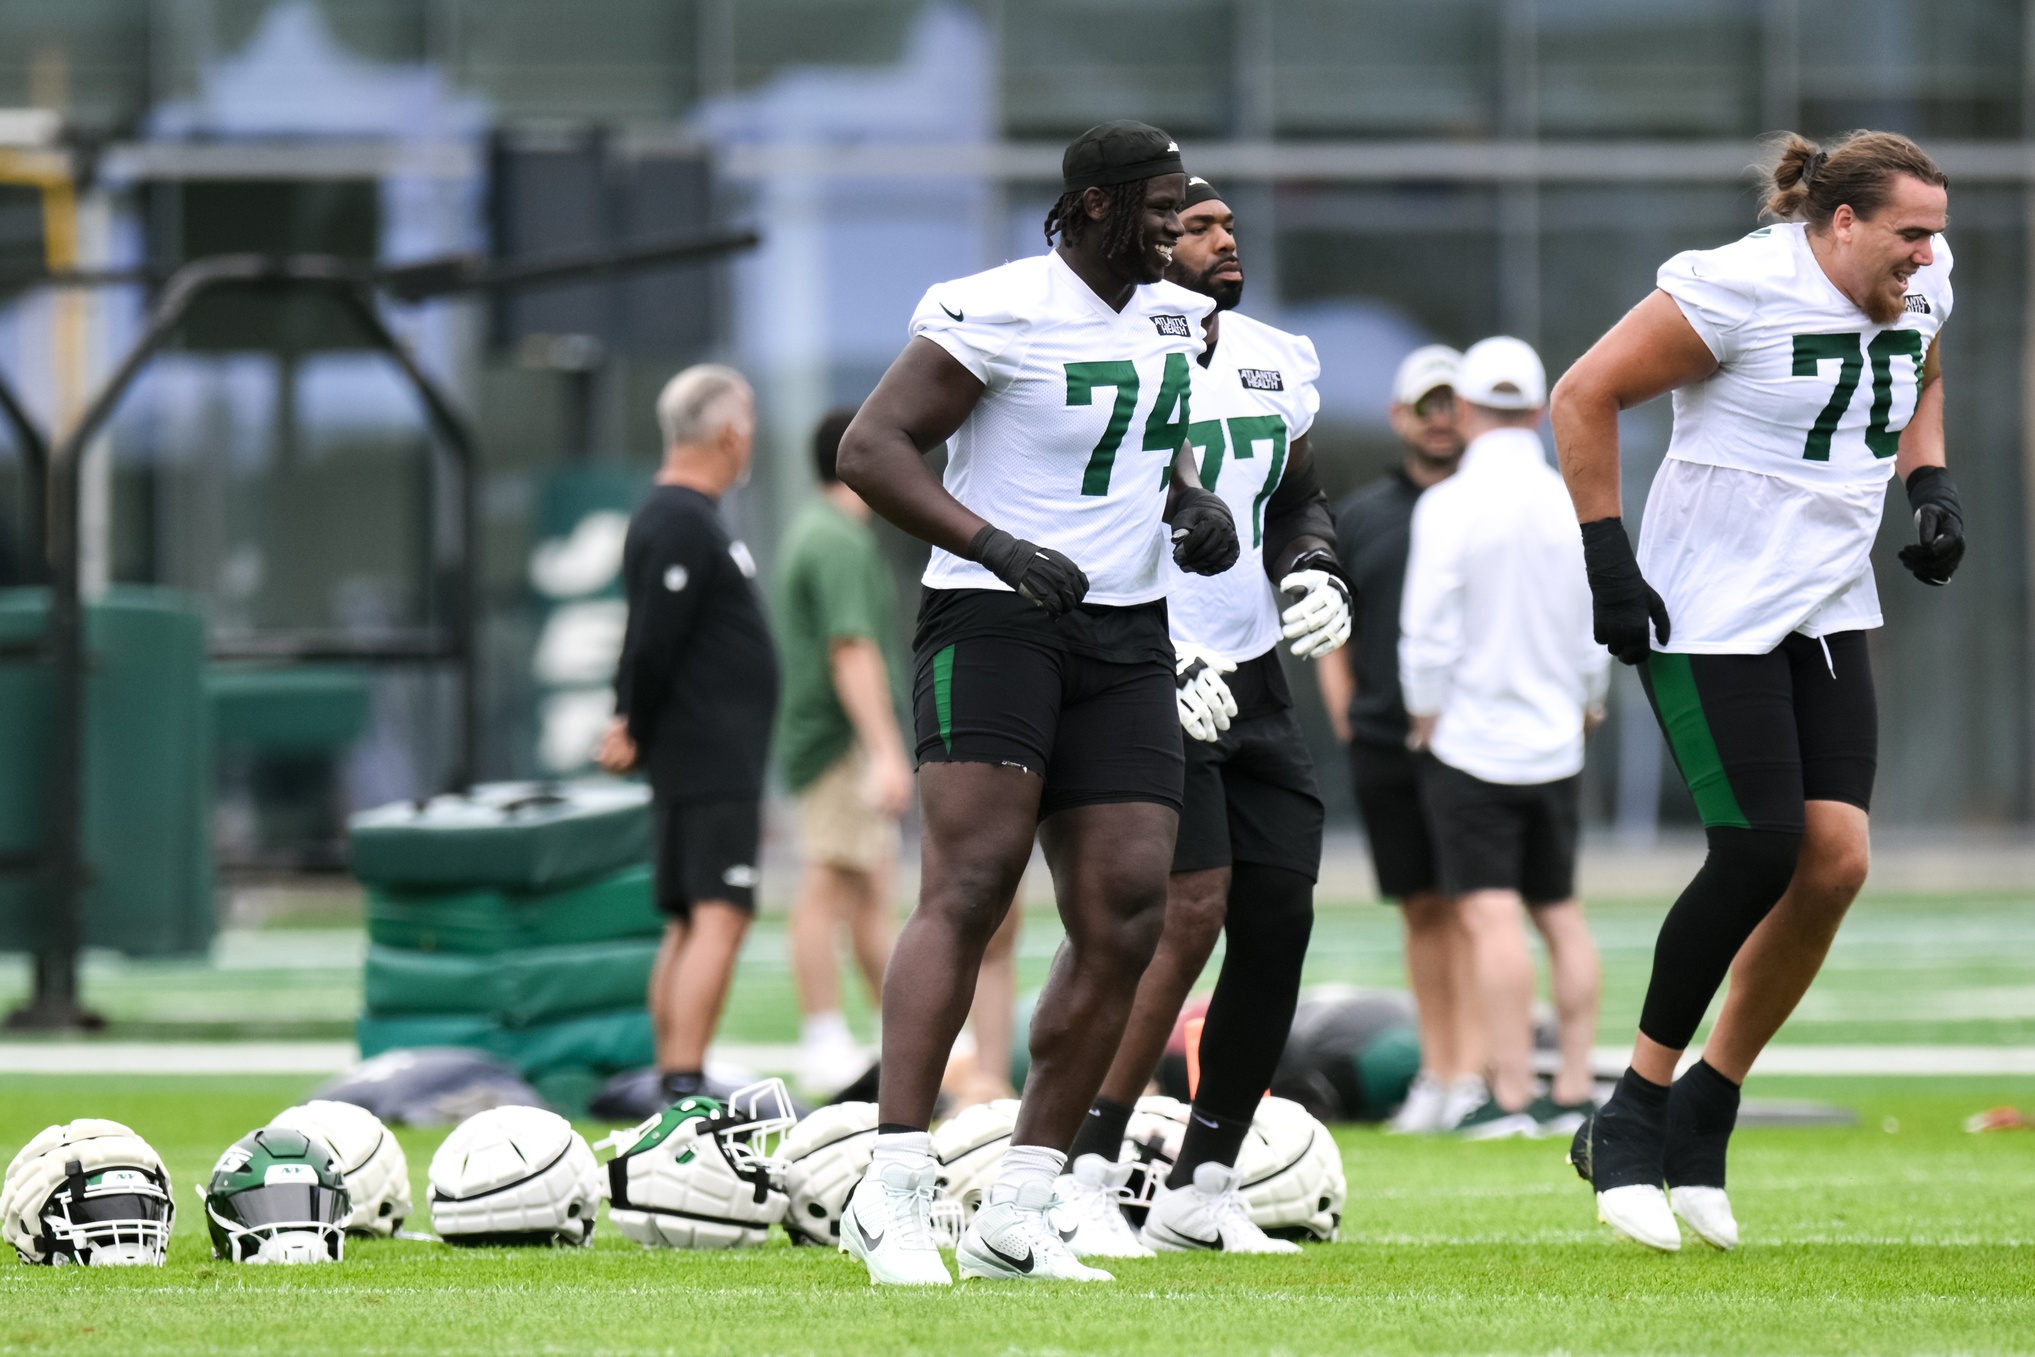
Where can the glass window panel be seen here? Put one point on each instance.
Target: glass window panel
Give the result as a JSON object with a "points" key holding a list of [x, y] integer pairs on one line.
{"points": [[1427, 69], [1947, 69], [1613, 69]]}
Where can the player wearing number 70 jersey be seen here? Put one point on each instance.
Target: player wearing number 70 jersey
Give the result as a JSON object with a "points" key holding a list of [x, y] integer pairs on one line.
{"points": [[1805, 371]]}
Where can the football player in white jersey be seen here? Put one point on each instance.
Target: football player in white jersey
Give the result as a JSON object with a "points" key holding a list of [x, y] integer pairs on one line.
{"points": [[1250, 827], [1805, 368], [1043, 696]]}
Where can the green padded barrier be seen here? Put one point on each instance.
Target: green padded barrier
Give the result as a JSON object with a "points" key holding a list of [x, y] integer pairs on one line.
{"points": [[303, 709], [515, 989], [602, 1042], [619, 905], [522, 836], [148, 771]]}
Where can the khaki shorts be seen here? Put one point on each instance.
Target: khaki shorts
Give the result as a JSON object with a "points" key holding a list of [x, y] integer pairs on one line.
{"points": [[836, 823]]}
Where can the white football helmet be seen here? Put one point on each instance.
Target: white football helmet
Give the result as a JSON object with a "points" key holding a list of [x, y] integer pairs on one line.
{"points": [[824, 1157], [970, 1149], [702, 1174], [1292, 1173], [91, 1192], [376, 1170], [515, 1175]]}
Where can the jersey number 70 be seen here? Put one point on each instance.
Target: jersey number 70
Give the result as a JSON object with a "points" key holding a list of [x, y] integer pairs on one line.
{"points": [[1165, 427], [1810, 350]]}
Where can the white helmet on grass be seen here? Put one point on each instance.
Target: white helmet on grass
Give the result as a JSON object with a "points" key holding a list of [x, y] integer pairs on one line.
{"points": [[377, 1172], [1292, 1174], [515, 1175], [824, 1157], [703, 1174], [970, 1149], [91, 1192]]}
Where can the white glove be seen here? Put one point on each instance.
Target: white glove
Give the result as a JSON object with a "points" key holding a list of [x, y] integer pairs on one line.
{"points": [[1317, 616], [1206, 705]]}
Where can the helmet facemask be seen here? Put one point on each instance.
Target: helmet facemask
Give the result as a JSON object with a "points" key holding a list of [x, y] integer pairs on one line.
{"points": [[112, 1218]]}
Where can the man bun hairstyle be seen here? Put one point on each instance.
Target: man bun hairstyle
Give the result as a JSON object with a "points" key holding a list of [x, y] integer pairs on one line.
{"points": [[827, 443], [1808, 183]]}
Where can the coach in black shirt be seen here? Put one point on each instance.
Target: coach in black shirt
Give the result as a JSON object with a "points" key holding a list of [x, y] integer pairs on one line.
{"points": [[1360, 688], [694, 699]]}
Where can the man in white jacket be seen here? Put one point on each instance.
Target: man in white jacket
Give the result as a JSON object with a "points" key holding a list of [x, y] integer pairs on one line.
{"points": [[1502, 679]]}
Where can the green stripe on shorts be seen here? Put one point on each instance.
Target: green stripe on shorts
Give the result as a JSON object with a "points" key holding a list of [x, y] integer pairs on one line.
{"points": [[1681, 715], [943, 695]]}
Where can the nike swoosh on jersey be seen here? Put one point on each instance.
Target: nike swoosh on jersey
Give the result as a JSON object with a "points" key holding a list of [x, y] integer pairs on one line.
{"points": [[1023, 1264], [953, 315]]}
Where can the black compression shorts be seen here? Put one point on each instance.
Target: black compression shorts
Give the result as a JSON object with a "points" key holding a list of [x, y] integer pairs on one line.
{"points": [[1757, 735], [1096, 730], [706, 850], [1395, 824], [1250, 797], [1499, 836]]}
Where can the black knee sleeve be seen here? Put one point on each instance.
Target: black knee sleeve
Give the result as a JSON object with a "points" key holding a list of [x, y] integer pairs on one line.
{"points": [[1271, 915], [1742, 878]]}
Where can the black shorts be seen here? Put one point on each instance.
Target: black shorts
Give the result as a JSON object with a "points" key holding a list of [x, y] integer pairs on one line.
{"points": [[1250, 797], [1395, 823], [1096, 730], [1497, 836], [1757, 735], [706, 850]]}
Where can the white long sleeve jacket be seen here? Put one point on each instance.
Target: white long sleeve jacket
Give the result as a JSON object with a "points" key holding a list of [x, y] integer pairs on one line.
{"points": [[1495, 619]]}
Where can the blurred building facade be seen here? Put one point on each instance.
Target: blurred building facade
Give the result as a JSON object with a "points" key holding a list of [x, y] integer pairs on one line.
{"points": [[1444, 170]]}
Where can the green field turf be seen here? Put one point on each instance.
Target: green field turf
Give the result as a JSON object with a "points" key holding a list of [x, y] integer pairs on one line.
{"points": [[1902, 1234]]}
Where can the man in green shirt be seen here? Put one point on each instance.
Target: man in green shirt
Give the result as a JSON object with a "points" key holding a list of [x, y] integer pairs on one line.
{"points": [[838, 745]]}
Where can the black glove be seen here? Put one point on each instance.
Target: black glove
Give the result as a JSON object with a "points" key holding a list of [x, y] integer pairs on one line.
{"points": [[1939, 523], [1204, 534], [1039, 573], [1621, 600]]}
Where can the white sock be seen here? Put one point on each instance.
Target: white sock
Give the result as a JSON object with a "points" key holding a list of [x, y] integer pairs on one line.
{"points": [[1026, 1164], [913, 1149], [824, 1028]]}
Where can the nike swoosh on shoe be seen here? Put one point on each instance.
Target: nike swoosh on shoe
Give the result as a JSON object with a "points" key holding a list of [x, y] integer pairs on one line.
{"points": [[1215, 1243], [870, 1241], [1023, 1264]]}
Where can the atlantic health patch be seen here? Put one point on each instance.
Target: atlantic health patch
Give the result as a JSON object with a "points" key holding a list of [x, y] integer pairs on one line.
{"points": [[1261, 379], [1173, 326]]}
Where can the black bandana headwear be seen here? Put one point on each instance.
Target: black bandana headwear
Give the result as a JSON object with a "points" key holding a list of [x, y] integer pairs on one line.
{"points": [[1119, 153], [1199, 191]]}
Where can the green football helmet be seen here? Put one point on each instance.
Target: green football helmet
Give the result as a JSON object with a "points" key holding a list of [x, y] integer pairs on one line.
{"points": [[278, 1196]]}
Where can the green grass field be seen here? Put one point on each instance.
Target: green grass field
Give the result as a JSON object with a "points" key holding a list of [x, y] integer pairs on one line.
{"points": [[1902, 1234]]}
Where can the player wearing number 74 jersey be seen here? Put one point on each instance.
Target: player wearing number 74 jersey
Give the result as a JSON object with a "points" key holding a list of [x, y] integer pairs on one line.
{"points": [[1805, 371]]}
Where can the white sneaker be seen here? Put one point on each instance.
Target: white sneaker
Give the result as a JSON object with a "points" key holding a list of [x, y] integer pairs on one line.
{"points": [[1640, 1213], [1208, 1215], [1707, 1211], [1420, 1114], [1018, 1241], [1091, 1200], [1465, 1095], [888, 1225]]}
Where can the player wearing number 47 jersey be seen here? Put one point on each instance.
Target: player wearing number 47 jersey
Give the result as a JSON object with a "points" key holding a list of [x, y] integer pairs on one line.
{"points": [[1250, 827], [1043, 694], [1805, 370]]}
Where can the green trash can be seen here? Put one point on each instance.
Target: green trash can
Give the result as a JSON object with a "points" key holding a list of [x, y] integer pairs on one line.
{"points": [[148, 771]]}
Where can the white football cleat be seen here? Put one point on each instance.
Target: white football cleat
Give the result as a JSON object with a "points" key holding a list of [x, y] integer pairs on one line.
{"points": [[1708, 1212], [1017, 1240], [888, 1225], [1464, 1096], [1090, 1200], [1208, 1215], [1421, 1113], [1640, 1212]]}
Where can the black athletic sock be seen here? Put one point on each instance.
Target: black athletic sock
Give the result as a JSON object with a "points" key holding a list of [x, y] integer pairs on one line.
{"points": [[1101, 1131], [676, 1084], [1629, 1134], [1702, 1110], [896, 1128], [1211, 1138], [1743, 876]]}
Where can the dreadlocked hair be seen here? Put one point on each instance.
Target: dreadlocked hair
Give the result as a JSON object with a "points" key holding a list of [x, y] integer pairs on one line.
{"points": [[1122, 225]]}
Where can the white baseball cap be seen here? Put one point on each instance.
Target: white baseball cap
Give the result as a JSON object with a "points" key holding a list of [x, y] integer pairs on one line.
{"points": [[1427, 367], [1503, 373]]}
